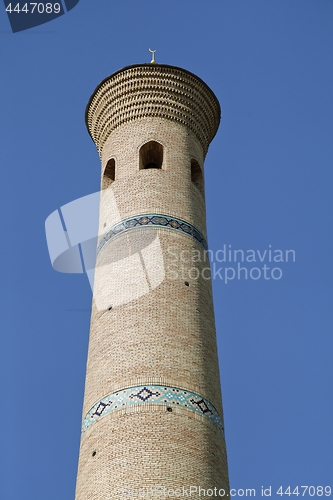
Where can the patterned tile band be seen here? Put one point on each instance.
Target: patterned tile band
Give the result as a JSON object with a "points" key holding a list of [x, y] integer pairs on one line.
{"points": [[154, 220], [152, 394]]}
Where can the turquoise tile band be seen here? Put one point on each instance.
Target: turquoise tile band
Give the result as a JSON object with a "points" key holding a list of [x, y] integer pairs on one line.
{"points": [[152, 220], [170, 396]]}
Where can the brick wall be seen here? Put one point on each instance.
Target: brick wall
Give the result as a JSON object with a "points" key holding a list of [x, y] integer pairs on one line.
{"points": [[165, 335]]}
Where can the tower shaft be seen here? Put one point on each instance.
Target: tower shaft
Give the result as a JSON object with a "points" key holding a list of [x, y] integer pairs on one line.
{"points": [[152, 414]]}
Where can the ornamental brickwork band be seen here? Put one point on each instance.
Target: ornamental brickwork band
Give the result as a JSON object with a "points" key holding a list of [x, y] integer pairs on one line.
{"points": [[152, 412]]}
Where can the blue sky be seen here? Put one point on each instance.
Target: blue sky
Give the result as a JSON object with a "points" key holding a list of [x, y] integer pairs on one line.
{"points": [[268, 182]]}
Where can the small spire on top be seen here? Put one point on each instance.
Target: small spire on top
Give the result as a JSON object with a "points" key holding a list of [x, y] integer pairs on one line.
{"points": [[153, 59]]}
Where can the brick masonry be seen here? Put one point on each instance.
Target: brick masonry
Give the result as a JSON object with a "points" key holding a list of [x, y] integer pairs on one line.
{"points": [[165, 335]]}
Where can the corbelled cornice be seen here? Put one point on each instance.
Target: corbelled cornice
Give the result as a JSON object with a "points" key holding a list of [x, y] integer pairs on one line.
{"points": [[153, 90]]}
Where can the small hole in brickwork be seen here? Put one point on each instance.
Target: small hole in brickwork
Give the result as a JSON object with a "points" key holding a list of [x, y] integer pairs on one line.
{"points": [[109, 308], [93, 453], [104, 224], [169, 409], [187, 283]]}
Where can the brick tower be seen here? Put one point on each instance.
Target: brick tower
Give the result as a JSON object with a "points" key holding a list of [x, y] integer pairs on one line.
{"points": [[152, 414]]}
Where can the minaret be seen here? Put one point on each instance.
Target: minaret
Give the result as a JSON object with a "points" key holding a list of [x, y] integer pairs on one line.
{"points": [[152, 413]]}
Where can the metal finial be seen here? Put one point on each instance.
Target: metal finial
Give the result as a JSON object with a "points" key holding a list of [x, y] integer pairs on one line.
{"points": [[153, 59]]}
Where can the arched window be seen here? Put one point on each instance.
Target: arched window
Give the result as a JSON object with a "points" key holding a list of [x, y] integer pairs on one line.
{"points": [[151, 155], [197, 177], [109, 173]]}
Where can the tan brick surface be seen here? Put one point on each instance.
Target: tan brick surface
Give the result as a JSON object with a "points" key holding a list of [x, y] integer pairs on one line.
{"points": [[167, 335]]}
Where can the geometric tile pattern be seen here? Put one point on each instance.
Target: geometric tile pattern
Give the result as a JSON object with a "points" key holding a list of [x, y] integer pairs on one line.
{"points": [[153, 220], [160, 394]]}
